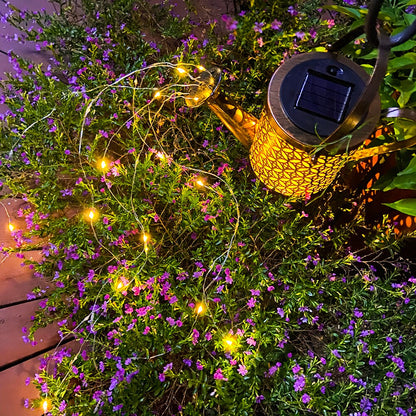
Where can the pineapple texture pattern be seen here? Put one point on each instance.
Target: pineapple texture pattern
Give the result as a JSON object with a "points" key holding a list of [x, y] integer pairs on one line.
{"points": [[287, 169]]}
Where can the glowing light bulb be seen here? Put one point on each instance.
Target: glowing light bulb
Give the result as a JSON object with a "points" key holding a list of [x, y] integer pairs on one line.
{"points": [[45, 406], [230, 342], [160, 155], [201, 68], [181, 70], [146, 238], [11, 227], [200, 182], [103, 164], [90, 215], [157, 94], [119, 286], [200, 308]]}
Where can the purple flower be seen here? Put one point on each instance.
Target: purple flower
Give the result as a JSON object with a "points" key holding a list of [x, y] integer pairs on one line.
{"points": [[306, 398], [296, 368], [66, 192], [259, 399], [390, 374], [292, 11], [258, 27], [62, 406], [276, 25], [336, 353], [357, 313], [230, 23], [365, 404], [187, 361], [299, 384]]}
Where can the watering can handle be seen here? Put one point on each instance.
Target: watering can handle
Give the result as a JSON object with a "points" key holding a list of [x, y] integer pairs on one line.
{"points": [[407, 113], [370, 30], [353, 119]]}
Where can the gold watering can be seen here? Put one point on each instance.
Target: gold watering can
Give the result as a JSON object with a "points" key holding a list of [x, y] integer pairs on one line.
{"points": [[320, 109]]}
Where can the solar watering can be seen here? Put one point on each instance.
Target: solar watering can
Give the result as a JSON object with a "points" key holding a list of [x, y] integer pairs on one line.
{"points": [[320, 109]]}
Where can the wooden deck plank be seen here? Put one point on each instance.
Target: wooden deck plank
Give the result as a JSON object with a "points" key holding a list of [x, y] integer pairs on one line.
{"points": [[15, 390], [12, 320], [17, 279]]}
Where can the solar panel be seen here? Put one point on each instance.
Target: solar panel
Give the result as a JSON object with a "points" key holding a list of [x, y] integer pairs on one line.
{"points": [[324, 96]]}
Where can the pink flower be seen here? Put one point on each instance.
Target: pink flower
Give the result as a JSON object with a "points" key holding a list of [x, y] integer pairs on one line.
{"points": [[251, 341], [242, 369], [330, 23], [128, 308], [219, 376], [195, 336], [251, 303]]}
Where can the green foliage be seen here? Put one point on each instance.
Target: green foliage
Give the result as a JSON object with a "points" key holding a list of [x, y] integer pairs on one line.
{"points": [[316, 324], [398, 88]]}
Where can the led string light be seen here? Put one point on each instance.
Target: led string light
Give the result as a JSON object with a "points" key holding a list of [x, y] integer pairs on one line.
{"points": [[45, 406], [92, 213]]}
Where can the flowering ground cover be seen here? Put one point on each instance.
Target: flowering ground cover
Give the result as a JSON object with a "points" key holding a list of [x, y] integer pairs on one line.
{"points": [[191, 288]]}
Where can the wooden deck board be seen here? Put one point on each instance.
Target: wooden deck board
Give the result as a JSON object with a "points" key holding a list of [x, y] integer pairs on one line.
{"points": [[16, 279], [14, 390], [12, 320]]}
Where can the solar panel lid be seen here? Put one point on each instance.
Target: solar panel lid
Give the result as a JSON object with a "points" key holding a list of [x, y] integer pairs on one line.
{"points": [[324, 96]]}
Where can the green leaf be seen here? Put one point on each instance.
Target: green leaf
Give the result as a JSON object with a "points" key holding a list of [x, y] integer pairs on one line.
{"points": [[406, 46], [410, 168], [407, 206], [406, 89], [406, 61], [354, 13], [402, 182]]}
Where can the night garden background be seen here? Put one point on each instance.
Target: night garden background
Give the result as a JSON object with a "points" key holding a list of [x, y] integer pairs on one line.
{"points": [[191, 287]]}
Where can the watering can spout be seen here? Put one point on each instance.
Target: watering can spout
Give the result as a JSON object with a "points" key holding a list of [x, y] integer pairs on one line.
{"points": [[240, 123]]}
